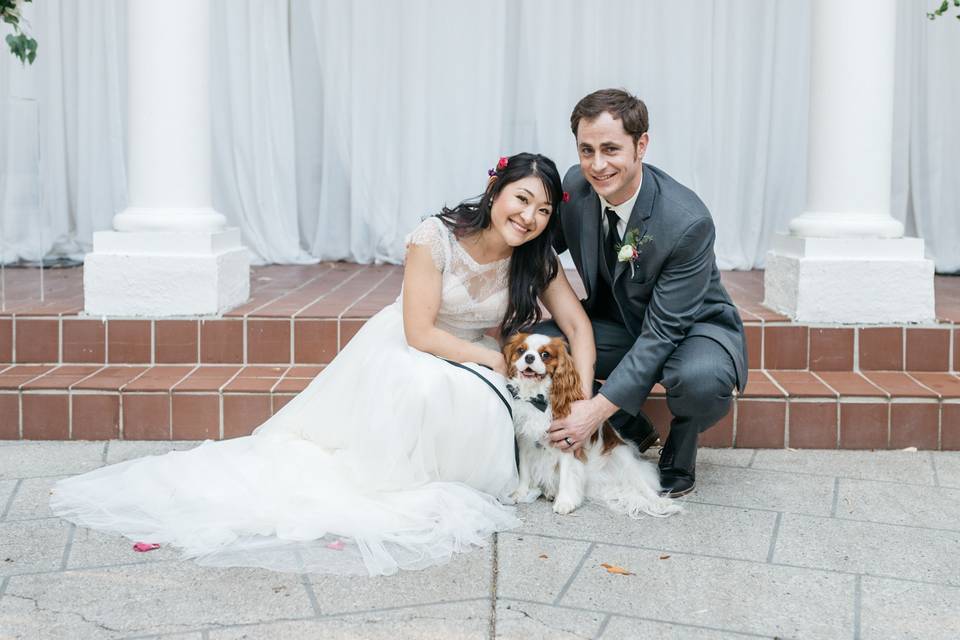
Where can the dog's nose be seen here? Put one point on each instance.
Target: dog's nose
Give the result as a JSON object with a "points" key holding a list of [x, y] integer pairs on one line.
{"points": [[529, 358]]}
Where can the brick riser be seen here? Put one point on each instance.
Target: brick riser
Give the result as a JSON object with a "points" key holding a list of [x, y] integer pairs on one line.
{"points": [[316, 340], [877, 410]]}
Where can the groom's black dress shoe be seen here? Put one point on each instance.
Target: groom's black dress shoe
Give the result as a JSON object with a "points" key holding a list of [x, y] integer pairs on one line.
{"points": [[637, 429], [678, 459], [676, 482]]}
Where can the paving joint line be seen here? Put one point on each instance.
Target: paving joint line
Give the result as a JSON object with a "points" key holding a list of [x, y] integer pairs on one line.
{"points": [[311, 595], [576, 572], [836, 497], [753, 457], [106, 449], [933, 464], [603, 627], [494, 570], [773, 538], [857, 598], [3, 586], [13, 495], [67, 548]]}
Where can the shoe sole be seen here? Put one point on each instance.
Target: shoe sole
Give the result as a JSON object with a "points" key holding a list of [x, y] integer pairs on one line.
{"points": [[678, 494]]}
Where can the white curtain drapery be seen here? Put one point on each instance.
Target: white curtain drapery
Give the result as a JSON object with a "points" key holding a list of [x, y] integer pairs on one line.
{"points": [[338, 125]]}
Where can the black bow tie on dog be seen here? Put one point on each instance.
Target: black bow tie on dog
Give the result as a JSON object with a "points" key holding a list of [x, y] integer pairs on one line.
{"points": [[539, 402]]}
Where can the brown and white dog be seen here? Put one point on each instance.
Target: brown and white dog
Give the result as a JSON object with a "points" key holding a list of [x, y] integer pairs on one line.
{"points": [[544, 381]]}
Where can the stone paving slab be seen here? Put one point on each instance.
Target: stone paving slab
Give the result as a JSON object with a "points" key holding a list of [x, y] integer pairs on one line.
{"points": [[148, 599], [912, 467], [32, 545], [731, 595], [32, 499], [520, 620], [90, 549], [468, 575], [763, 489], [451, 621], [934, 610], [31, 459], [123, 450], [947, 465], [535, 568], [701, 528], [891, 503], [787, 544], [911, 553]]}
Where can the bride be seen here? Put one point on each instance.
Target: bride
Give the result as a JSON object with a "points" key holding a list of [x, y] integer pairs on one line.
{"points": [[394, 457]]}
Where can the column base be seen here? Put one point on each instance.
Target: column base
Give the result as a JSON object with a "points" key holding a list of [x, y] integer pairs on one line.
{"points": [[850, 280], [161, 274]]}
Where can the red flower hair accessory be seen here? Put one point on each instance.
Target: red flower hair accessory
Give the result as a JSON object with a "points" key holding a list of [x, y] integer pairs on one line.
{"points": [[502, 163], [566, 197]]}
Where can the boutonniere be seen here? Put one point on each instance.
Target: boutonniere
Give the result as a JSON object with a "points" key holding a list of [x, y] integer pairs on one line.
{"points": [[629, 250]]}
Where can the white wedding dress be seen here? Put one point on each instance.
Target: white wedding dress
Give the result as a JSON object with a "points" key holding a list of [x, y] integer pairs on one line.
{"points": [[391, 458]]}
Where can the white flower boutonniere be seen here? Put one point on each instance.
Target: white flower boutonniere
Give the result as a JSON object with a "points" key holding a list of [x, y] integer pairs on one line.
{"points": [[629, 251]]}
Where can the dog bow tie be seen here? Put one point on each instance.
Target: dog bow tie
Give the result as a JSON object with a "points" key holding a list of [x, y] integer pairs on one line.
{"points": [[539, 402]]}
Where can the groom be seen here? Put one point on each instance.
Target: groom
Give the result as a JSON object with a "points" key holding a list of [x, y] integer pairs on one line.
{"points": [[643, 246]]}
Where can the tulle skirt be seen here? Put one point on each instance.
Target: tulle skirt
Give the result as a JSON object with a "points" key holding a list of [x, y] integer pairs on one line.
{"points": [[390, 459]]}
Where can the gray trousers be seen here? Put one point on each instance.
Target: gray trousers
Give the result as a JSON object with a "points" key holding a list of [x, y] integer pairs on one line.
{"points": [[699, 377]]}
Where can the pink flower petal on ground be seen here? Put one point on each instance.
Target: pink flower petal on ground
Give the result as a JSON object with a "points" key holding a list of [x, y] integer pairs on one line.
{"points": [[145, 546], [336, 546]]}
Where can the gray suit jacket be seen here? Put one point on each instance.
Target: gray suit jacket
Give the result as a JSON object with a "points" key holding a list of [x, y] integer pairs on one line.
{"points": [[675, 289]]}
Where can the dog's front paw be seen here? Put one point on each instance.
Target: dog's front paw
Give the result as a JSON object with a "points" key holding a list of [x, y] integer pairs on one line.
{"points": [[563, 506], [524, 495]]}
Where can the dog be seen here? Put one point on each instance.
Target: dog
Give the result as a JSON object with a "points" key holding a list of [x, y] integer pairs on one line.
{"points": [[544, 382]]}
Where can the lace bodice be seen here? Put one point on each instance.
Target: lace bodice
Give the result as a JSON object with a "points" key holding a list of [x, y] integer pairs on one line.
{"points": [[473, 296]]}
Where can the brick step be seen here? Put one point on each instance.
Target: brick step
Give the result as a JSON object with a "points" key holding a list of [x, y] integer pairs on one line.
{"points": [[306, 314], [780, 408], [316, 340]]}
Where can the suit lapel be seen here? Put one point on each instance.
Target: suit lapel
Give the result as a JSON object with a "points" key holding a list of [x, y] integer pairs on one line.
{"points": [[642, 209], [590, 237]]}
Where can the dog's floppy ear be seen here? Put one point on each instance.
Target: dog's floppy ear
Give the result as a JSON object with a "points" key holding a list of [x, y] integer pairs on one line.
{"points": [[510, 351], [565, 387]]}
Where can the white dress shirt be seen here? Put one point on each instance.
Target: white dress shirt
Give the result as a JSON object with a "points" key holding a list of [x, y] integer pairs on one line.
{"points": [[622, 210]]}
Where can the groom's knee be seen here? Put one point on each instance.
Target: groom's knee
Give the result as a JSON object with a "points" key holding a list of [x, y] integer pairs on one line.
{"points": [[698, 390]]}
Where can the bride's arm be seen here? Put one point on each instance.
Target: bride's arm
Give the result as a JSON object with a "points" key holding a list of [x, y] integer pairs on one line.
{"points": [[421, 303], [562, 303]]}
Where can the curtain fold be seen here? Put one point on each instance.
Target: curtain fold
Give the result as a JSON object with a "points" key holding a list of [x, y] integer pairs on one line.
{"points": [[339, 125]]}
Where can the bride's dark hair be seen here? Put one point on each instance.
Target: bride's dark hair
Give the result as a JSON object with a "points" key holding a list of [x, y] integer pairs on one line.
{"points": [[533, 264]]}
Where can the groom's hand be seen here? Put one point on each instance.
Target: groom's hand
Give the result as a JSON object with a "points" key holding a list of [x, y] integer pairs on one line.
{"points": [[585, 418]]}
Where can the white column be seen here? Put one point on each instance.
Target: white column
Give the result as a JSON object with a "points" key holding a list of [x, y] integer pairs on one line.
{"points": [[170, 252], [845, 258], [168, 147]]}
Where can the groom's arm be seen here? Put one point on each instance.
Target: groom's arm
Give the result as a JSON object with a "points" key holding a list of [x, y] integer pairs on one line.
{"points": [[677, 296]]}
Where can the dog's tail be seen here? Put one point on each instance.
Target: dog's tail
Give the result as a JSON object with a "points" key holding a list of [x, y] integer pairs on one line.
{"points": [[631, 486]]}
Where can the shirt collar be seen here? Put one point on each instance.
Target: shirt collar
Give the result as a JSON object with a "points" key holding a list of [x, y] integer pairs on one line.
{"points": [[623, 210]]}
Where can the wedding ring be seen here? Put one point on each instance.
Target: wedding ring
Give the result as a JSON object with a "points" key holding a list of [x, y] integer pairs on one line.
{"points": [[567, 440]]}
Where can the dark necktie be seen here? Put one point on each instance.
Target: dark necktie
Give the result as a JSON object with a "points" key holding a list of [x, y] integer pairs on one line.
{"points": [[613, 239]]}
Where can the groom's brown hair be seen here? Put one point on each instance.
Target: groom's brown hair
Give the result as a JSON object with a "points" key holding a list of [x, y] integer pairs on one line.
{"points": [[629, 110]]}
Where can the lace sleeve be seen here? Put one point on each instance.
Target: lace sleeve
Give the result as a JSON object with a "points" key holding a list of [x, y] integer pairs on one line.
{"points": [[431, 233]]}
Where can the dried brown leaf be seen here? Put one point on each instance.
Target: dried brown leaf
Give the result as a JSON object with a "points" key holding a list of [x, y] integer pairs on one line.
{"points": [[612, 568]]}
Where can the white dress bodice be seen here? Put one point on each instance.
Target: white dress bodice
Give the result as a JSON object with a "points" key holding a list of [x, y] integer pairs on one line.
{"points": [[473, 296]]}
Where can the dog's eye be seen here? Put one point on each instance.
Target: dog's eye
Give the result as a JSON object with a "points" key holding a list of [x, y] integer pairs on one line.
{"points": [[520, 351], [545, 355]]}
